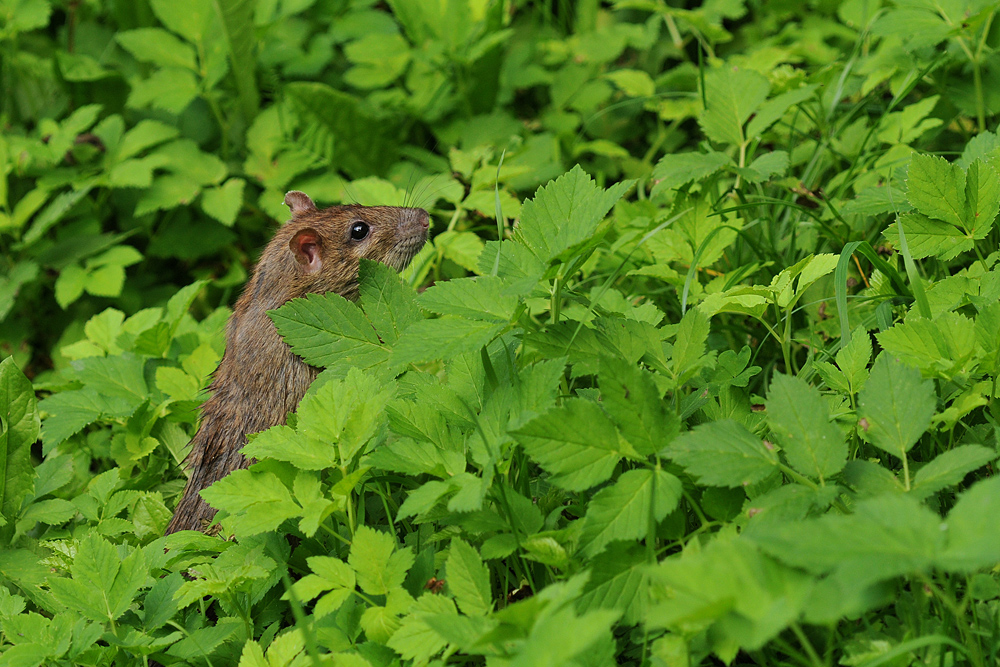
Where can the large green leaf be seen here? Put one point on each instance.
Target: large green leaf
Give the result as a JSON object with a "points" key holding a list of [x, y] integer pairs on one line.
{"points": [[799, 418], [897, 404], [19, 425], [624, 510], [327, 329], [723, 453], [575, 442]]}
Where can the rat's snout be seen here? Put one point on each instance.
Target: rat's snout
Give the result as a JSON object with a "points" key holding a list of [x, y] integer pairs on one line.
{"points": [[418, 216]]}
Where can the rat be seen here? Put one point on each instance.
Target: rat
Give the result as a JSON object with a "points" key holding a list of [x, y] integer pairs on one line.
{"points": [[260, 380]]}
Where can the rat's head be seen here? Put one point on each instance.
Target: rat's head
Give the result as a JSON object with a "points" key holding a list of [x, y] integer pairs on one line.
{"points": [[328, 243]]}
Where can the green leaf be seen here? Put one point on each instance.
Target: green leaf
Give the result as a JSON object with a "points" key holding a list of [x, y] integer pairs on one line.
{"points": [[898, 405], [926, 237], [167, 192], [936, 188], [899, 536], [171, 89], [444, 338], [19, 426], [678, 169], [257, 502], [799, 418], [853, 359], [103, 584], [575, 442], [476, 298], [689, 348], [771, 111], [327, 329], [285, 444], [731, 96], [69, 411], [237, 26], [388, 303], [944, 346], [362, 399], [153, 45], [565, 212], [332, 579], [622, 511], [746, 596], [224, 202], [188, 18], [973, 541], [982, 193], [146, 134], [360, 144], [378, 565], [468, 579], [950, 468], [633, 82], [723, 453], [633, 402], [617, 581], [415, 639]]}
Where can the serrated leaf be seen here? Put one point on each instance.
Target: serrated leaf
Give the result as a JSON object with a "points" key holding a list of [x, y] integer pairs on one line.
{"points": [[224, 202], [678, 169], [468, 579], [723, 453], [574, 442], [799, 418], [565, 212], [982, 193], [388, 303], [973, 540], [622, 511], [936, 188], [926, 237], [950, 468], [327, 329], [898, 405], [70, 411], [378, 565], [731, 96], [900, 536], [19, 426], [689, 348], [257, 502], [170, 89], [633, 402], [154, 45], [442, 339], [476, 298]]}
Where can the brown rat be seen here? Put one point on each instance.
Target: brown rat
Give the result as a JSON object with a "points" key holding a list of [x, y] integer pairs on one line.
{"points": [[259, 380]]}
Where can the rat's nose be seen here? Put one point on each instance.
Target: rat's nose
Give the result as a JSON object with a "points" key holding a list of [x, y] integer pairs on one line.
{"points": [[417, 216]]}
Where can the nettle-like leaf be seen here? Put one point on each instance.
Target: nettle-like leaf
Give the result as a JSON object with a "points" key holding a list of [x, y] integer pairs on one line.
{"points": [[625, 510], [897, 405], [955, 206], [564, 213], [800, 420], [724, 453], [575, 442], [19, 426], [378, 565]]}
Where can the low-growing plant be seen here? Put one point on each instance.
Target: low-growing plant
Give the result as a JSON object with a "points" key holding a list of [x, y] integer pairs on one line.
{"points": [[722, 388]]}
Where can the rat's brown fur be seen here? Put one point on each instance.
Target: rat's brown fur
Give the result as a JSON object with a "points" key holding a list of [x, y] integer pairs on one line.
{"points": [[260, 380]]}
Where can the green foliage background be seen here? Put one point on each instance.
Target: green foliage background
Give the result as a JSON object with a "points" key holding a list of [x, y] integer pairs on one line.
{"points": [[699, 365]]}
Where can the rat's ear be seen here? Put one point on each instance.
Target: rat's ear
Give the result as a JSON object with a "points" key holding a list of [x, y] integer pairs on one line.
{"points": [[299, 202], [307, 247]]}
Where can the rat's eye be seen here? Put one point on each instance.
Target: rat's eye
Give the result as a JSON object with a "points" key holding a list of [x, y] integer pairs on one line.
{"points": [[359, 230]]}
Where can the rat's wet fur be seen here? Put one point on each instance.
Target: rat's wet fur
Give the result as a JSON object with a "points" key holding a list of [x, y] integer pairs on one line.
{"points": [[259, 380]]}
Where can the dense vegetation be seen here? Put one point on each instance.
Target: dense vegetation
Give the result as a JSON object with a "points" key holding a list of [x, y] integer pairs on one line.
{"points": [[699, 365]]}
